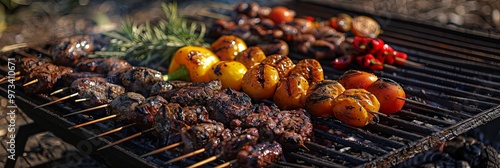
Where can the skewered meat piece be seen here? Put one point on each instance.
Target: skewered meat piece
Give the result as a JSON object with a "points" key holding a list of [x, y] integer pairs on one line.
{"points": [[47, 75], [297, 128], [228, 105], [26, 64], [125, 104], [71, 51], [116, 75], [166, 86], [198, 136], [84, 83], [69, 78], [145, 112], [112, 64], [141, 79], [194, 94], [230, 148], [100, 94], [259, 155], [89, 65], [188, 114]]}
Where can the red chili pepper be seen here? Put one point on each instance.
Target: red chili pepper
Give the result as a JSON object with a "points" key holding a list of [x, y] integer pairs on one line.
{"points": [[342, 62], [310, 18], [400, 58], [369, 62], [367, 45], [385, 51]]}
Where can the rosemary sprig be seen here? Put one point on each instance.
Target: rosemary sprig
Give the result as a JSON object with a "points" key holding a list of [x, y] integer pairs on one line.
{"points": [[154, 45]]}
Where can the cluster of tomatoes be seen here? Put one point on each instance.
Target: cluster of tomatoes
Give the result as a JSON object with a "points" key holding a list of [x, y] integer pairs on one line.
{"points": [[355, 98], [370, 53]]}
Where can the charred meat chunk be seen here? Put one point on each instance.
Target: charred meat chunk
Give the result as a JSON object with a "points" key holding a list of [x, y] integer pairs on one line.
{"points": [[194, 94], [26, 64], [141, 79], [259, 155], [228, 105], [47, 75], [166, 86], [145, 112], [112, 64], [231, 147], [84, 83], [116, 75], [71, 51], [198, 136], [89, 65], [297, 127], [69, 78], [100, 94], [124, 104]]}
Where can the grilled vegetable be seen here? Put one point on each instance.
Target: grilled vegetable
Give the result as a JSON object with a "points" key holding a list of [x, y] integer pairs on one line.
{"points": [[354, 107], [281, 62], [311, 70], [320, 97], [385, 54], [260, 81], [229, 72], [369, 62], [387, 92], [251, 56], [227, 47], [365, 26], [342, 22], [291, 92], [191, 63], [367, 45], [354, 79], [342, 62], [281, 14]]}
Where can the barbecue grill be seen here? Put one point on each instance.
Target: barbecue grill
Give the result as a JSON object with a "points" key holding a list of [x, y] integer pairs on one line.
{"points": [[453, 87]]}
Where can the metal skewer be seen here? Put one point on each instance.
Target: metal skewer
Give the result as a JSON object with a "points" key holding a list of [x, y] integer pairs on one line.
{"points": [[93, 121], [85, 110], [111, 131], [30, 82], [185, 156], [57, 100], [162, 149], [125, 139]]}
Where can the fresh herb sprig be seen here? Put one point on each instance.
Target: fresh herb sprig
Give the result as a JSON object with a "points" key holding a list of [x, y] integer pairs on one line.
{"points": [[154, 45]]}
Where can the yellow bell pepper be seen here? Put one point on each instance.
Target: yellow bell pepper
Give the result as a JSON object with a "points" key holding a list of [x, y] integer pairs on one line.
{"points": [[191, 63], [229, 72]]}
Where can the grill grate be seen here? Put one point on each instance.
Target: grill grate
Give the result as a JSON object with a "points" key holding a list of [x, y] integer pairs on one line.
{"points": [[453, 91]]}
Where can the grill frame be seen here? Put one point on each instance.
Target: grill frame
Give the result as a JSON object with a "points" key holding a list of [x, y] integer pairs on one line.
{"points": [[120, 157]]}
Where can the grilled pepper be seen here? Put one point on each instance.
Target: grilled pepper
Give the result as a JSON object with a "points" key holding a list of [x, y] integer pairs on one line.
{"points": [[342, 62], [229, 72], [369, 62], [366, 45], [191, 63]]}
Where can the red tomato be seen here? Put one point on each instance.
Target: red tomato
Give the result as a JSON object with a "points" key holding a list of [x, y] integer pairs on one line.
{"points": [[354, 79], [281, 14], [387, 92]]}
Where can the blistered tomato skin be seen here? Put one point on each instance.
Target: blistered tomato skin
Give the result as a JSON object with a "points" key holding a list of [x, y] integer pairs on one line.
{"points": [[354, 79], [281, 14], [227, 47], [260, 81], [291, 92], [251, 56], [320, 97], [355, 107], [387, 92], [282, 63], [229, 72], [311, 69]]}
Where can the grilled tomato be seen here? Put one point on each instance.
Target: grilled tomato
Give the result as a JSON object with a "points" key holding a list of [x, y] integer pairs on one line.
{"points": [[260, 81], [387, 92], [355, 107], [320, 97], [251, 56], [227, 47], [229, 72], [281, 62], [291, 92], [354, 79], [311, 70]]}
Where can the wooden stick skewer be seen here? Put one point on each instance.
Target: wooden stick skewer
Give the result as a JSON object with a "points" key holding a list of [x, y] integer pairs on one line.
{"points": [[125, 139], [226, 164], [85, 110], [59, 91], [207, 160], [111, 131], [30, 82], [162, 149], [5, 78], [185, 156], [93, 121], [57, 100], [81, 100], [15, 79]]}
